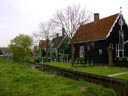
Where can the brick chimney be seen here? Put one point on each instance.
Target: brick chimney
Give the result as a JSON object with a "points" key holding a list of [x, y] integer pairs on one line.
{"points": [[63, 31], [96, 17], [57, 35]]}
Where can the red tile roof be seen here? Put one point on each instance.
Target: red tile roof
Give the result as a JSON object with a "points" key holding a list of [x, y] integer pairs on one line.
{"points": [[57, 41], [94, 31]]}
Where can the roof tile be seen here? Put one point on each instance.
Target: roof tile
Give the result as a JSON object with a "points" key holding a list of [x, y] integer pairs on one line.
{"points": [[95, 30]]}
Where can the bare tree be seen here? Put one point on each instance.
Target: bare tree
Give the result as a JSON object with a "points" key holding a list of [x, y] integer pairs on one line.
{"points": [[71, 18], [45, 32]]}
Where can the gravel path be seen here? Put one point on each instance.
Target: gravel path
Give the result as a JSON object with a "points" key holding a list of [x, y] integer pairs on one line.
{"points": [[117, 74]]}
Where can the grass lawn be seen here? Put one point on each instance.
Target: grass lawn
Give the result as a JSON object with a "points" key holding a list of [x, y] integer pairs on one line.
{"points": [[125, 76], [100, 70], [22, 80]]}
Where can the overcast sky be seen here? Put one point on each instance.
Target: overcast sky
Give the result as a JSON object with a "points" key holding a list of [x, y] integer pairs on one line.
{"points": [[23, 16]]}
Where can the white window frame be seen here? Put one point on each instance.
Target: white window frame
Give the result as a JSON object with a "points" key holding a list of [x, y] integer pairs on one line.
{"points": [[81, 51], [117, 50], [100, 51]]}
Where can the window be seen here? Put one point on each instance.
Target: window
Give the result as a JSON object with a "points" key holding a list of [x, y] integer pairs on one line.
{"points": [[88, 47], [92, 44], [117, 50], [66, 44], [81, 48], [100, 51], [81, 51]]}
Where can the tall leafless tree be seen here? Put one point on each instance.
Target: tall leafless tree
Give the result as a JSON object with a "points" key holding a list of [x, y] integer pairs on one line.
{"points": [[71, 18]]}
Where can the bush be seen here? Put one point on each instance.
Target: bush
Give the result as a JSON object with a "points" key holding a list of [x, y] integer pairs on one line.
{"points": [[20, 47], [29, 59], [122, 62]]}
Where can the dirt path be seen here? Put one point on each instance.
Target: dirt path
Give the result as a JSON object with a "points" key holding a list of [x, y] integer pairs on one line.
{"points": [[117, 74]]}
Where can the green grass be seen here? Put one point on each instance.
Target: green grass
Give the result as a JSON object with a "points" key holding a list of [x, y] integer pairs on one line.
{"points": [[99, 70], [103, 70], [124, 76], [21, 80]]}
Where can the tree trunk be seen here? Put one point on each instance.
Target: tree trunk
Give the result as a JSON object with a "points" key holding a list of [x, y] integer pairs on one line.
{"points": [[47, 41], [72, 54], [110, 55]]}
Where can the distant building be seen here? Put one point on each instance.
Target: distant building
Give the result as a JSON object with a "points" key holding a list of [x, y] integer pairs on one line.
{"points": [[42, 47], [40, 51], [43, 44], [1, 52], [58, 47], [4, 50]]}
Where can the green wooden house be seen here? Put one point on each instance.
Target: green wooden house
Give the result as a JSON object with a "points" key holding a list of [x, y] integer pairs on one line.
{"points": [[58, 47]]}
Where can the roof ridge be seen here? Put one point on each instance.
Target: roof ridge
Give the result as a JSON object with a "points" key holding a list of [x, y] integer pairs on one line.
{"points": [[100, 19], [110, 16]]}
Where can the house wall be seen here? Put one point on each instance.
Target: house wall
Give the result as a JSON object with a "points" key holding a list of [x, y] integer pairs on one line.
{"points": [[93, 54], [64, 50], [114, 38], [97, 53], [53, 54], [126, 49]]}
